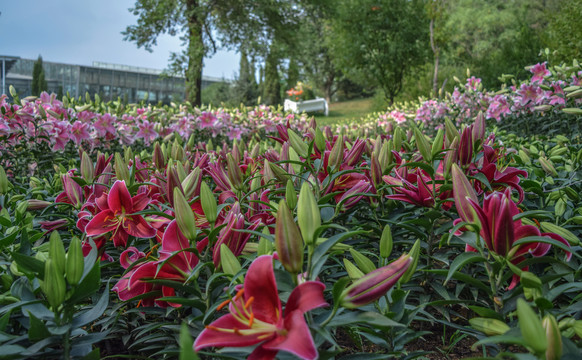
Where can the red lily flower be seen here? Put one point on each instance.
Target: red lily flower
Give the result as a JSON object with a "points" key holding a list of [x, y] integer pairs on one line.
{"points": [[117, 215], [499, 231], [256, 316], [174, 264]]}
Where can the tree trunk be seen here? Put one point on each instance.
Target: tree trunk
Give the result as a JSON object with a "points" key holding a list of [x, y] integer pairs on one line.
{"points": [[436, 52], [195, 53]]}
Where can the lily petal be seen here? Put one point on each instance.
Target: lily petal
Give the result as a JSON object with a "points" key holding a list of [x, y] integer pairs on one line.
{"points": [[306, 296], [298, 340], [211, 337], [260, 284], [119, 198]]}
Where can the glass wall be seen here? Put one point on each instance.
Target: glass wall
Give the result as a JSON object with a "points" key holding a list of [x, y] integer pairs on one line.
{"points": [[110, 81]]}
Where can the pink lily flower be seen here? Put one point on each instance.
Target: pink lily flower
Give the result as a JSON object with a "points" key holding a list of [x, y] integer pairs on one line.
{"points": [[256, 317], [539, 72], [117, 215]]}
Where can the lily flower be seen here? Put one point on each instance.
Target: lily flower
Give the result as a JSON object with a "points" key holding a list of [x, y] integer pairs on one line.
{"points": [[499, 231], [117, 215], [256, 316]]}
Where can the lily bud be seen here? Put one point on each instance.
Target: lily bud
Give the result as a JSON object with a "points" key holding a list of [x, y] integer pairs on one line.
{"points": [[466, 147], [365, 264], [208, 202], [288, 241], [489, 327], [479, 128], [320, 140], [33, 204], [128, 154], [336, 156], [397, 138], [235, 151], [158, 157], [451, 157], [386, 242], [437, 145], [87, 168], [548, 167], [191, 182], [353, 156], [531, 327], [54, 285], [385, 158], [172, 182], [554, 338], [73, 191], [353, 272], [375, 284], [290, 195], [228, 261], [451, 130], [298, 144], [375, 171], [308, 215], [265, 246], [255, 151], [279, 174], [184, 215], [233, 171], [423, 145], [57, 251], [462, 193], [414, 255], [75, 262], [3, 181], [121, 170], [268, 174]]}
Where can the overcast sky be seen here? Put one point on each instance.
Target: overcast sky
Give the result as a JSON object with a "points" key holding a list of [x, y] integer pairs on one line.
{"points": [[83, 31]]}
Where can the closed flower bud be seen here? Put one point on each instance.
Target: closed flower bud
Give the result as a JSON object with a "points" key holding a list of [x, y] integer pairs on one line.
{"points": [[375, 284], [386, 242], [336, 156], [121, 170], [233, 171], [547, 166], [34, 204], [280, 174], [184, 215], [423, 145], [265, 246], [177, 151], [375, 171], [191, 182], [353, 272], [385, 158], [414, 255], [479, 128], [57, 251], [268, 174], [365, 264], [54, 285], [290, 195], [437, 145], [73, 191], [298, 144], [75, 262], [228, 261], [320, 140], [208, 202], [554, 338], [308, 215], [288, 241], [158, 157], [489, 327], [3, 181], [450, 130], [463, 192], [451, 157], [397, 138], [87, 168], [466, 147], [531, 327]]}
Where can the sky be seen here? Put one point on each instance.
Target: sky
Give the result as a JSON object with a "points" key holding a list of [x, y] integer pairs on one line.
{"points": [[82, 31]]}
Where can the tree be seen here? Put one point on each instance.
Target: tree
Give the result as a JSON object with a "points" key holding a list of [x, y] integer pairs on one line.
{"points": [[252, 23], [378, 44], [272, 85], [565, 28], [245, 87], [39, 83]]}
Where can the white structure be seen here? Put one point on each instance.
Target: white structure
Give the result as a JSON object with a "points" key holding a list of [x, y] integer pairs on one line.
{"points": [[318, 104]]}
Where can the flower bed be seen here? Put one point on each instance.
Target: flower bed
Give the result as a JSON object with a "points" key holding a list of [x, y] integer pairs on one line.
{"points": [[292, 242]]}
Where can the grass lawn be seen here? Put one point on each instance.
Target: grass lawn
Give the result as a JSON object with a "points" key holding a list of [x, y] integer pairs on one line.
{"points": [[345, 112]]}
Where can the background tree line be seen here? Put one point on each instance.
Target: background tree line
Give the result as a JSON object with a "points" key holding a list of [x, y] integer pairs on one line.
{"points": [[352, 48]]}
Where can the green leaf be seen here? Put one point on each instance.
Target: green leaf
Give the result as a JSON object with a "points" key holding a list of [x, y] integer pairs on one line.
{"points": [[89, 284], [186, 344], [37, 330], [462, 260], [338, 288], [369, 318], [547, 240], [29, 264], [326, 245], [94, 312]]}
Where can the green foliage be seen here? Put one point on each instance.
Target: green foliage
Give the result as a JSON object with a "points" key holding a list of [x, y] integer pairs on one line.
{"points": [[39, 83], [378, 44], [272, 85], [245, 89], [564, 29]]}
